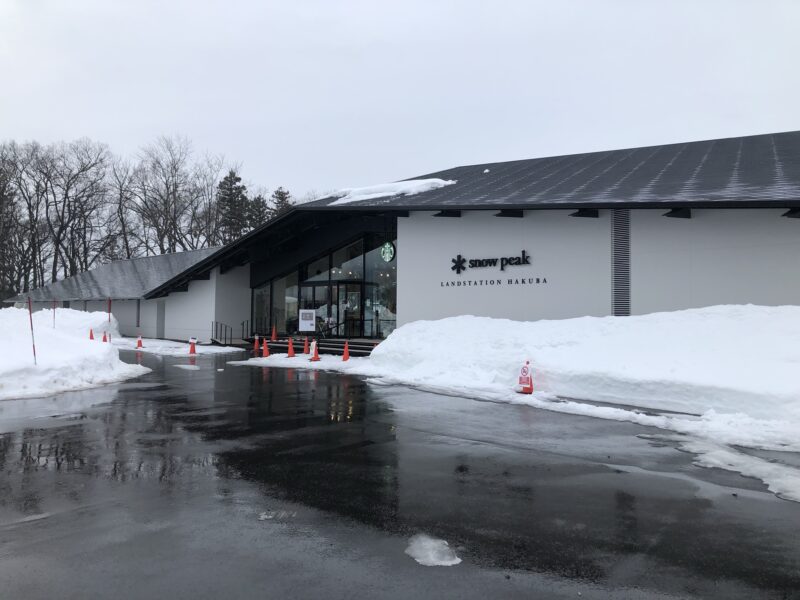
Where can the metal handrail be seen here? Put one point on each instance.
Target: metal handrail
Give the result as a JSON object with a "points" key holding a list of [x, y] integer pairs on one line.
{"points": [[221, 332]]}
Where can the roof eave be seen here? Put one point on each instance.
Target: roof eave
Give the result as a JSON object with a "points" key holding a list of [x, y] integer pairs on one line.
{"points": [[658, 204]]}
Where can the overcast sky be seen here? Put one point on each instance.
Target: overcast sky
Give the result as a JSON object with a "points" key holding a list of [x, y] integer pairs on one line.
{"points": [[323, 94]]}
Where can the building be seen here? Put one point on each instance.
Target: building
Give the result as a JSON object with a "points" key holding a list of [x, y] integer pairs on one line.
{"points": [[126, 285], [619, 232]]}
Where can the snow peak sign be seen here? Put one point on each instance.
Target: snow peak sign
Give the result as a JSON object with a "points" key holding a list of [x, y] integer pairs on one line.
{"points": [[462, 264]]}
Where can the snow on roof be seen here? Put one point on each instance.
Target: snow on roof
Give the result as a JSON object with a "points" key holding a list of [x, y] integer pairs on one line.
{"points": [[385, 190], [121, 279]]}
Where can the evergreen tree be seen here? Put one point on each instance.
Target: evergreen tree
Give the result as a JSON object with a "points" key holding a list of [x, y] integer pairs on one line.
{"points": [[259, 212], [233, 208], [281, 201]]}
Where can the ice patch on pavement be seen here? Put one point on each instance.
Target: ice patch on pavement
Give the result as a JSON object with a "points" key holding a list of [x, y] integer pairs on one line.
{"points": [[431, 552], [187, 367], [782, 480]]}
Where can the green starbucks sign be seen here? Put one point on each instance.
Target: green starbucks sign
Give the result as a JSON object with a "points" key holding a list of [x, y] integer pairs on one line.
{"points": [[387, 252]]}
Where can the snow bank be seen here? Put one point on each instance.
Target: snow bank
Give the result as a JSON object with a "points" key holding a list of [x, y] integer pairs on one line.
{"points": [[721, 376], [385, 190], [726, 358], [67, 359]]}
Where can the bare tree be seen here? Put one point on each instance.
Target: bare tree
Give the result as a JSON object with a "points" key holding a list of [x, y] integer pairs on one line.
{"points": [[76, 205], [66, 207], [127, 240], [205, 216], [31, 189]]}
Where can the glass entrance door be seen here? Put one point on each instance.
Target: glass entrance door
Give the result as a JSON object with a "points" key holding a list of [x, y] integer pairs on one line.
{"points": [[348, 310]]}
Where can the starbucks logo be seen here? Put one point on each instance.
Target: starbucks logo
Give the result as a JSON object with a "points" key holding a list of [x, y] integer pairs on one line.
{"points": [[387, 252]]}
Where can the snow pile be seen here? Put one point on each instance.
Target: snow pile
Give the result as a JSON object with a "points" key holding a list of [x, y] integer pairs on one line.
{"points": [[431, 552], [67, 359], [384, 190], [726, 358], [722, 377], [169, 347]]}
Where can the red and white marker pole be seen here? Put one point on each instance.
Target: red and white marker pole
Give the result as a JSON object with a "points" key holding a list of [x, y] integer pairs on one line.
{"points": [[109, 310], [33, 341]]}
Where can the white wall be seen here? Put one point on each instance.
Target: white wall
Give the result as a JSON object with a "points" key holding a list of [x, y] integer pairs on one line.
{"points": [[125, 313], [573, 254], [147, 321], [232, 297], [189, 314], [716, 257]]}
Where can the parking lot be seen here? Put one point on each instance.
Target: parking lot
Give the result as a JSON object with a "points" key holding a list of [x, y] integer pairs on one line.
{"points": [[242, 482]]}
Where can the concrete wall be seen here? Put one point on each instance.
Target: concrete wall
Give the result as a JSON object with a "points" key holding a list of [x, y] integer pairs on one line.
{"points": [[232, 297], [716, 257], [573, 256]]}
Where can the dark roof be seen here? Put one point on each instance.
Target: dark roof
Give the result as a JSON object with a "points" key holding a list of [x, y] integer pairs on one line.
{"points": [[758, 170], [121, 279]]}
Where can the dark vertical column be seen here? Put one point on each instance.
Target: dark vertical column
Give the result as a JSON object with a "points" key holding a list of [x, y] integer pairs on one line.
{"points": [[621, 262], [362, 333]]}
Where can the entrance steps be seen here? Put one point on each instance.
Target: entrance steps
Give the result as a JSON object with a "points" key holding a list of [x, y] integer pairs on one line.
{"points": [[358, 347]]}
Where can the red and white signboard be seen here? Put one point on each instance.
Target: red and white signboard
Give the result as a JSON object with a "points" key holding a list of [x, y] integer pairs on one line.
{"points": [[526, 378]]}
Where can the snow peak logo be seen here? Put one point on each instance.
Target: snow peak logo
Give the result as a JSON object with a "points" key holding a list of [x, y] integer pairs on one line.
{"points": [[461, 264]]}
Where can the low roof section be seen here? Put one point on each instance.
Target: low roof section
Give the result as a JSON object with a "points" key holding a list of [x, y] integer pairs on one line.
{"points": [[119, 280], [750, 171]]}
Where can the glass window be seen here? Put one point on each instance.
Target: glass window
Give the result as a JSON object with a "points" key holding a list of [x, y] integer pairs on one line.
{"points": [[261, 297], [348, 262], [380, 304], [317, 270], [284, 303]]}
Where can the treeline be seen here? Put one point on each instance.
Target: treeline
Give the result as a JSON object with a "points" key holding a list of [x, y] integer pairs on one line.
{"points": [[67, 207]]}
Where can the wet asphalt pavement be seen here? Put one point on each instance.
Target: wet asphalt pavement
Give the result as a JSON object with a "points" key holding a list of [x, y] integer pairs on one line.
{"points": [[272, 483]]}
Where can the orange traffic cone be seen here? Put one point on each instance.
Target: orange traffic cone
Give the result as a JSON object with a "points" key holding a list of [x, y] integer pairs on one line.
{"points": [[315, 356], [305, 346], [255, 345], [139, 342], [274, 337], [346, 355], [105, 339], [291, 349], [91, 334], [526, 378], [192, 349], [264, 349]]}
